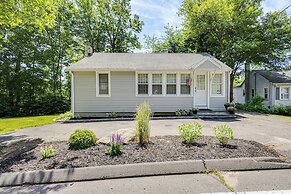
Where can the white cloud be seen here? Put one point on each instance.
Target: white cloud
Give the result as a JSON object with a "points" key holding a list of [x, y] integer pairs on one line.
{"points": [[275, 5]]}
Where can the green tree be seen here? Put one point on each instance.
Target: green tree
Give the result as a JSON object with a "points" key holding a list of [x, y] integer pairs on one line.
{"points": [[171, 42], [236, 32]]}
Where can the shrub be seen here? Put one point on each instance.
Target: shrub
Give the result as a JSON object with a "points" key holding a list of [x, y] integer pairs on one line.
{"points": [[281, 110], [48, 152], [231, 109], [65, 116], [190, 132], [112, 114], [195, 110], [181, 112], [81, 139], [255, 105], [116, 144], [226, 105], [223, 133], [143, 115]]}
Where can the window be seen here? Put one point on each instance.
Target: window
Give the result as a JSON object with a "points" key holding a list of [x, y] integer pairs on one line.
{"points": [[253, 92], [217, 84], [266, 93], [200, 85], [284, 91], [157, 84], [171, 84], [103, 84], [143, 84], [185, 83], [277, 93]]}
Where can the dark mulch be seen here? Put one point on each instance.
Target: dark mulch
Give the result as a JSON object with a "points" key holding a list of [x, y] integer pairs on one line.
{"points": [[165, 148]]}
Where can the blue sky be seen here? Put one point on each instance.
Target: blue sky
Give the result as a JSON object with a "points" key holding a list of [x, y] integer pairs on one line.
{"points": [[158, 13]]}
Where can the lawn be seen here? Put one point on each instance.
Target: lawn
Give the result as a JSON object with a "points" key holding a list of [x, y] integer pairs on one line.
{"points": [[11, 124]]}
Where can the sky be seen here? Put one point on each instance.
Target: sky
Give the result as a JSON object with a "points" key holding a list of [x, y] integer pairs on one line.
{"points": [[158, 13]]}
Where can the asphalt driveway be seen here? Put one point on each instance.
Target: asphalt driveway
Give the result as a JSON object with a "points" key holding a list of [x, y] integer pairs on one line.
{"points": [[270, 130]]}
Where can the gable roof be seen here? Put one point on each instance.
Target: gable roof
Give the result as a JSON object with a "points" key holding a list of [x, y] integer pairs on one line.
{"points": [[274, 77], [148, 61]]}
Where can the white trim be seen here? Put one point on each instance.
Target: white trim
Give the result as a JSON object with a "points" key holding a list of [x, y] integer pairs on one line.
{"points": [[72, 93], [164, 84], [208, 90], [193, 88], [97, 84], [204, 60], [268, 92], [223, 85], [205, 85], [285, 93]]}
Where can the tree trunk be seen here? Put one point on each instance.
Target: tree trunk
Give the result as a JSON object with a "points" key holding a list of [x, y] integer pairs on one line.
{"points": [[231, 87], [247, 81]]}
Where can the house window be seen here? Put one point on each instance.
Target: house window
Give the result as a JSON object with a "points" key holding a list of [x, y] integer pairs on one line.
{"points": [[284, 93], [277, 93], [171, 84], [253, 92], [103, 84], [157, 84], [143, 84], [200, 82], [217, 84], [185, 83], [266, 93]]}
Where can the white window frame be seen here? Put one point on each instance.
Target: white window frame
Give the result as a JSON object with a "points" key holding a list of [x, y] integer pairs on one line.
{"points": [[185, 84], [266, 89], [223, 85], [97, 84], [151, 85], [164, 84], [288, 88]]}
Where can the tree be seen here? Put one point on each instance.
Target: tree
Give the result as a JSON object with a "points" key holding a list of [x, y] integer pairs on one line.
{"points": [[171, 42], [236, 32]]}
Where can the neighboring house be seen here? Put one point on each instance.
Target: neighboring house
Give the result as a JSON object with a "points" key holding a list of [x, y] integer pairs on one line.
{"points": [[273, 86], [118, 82]]}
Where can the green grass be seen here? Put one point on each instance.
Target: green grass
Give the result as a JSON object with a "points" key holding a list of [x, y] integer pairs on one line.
{"points": [[11, 124]]}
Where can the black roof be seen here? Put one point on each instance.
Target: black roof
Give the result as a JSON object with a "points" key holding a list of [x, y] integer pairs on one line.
{"points": [[274, 77]]}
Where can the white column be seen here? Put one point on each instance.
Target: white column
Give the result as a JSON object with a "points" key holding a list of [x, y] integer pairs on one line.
{"points": [[72, 93]]}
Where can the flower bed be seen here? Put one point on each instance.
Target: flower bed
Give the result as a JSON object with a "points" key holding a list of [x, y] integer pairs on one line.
{"points": [[159, 149]]}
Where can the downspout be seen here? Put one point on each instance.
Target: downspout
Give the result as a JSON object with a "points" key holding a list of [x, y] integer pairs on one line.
{"points": [[228, 86], [72, 93], [255, 84]]}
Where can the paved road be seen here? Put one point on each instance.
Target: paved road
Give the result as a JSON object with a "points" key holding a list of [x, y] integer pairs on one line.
{"points": [[275, 181], [267, 129]]}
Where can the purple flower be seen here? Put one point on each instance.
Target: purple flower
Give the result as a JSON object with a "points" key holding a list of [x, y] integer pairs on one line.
{"points": [[116, 138]]}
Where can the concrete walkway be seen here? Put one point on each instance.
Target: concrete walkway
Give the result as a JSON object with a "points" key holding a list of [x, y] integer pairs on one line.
{"points": [[270, 130], [269, 181]]}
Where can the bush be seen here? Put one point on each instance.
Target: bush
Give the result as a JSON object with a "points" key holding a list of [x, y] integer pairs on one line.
{"points": [[255, 105], [116, 144], [223, 133], [65, 116], [112, 114], [231, 109], [143, 115], [194, 110], [281, 110], [48, 152], [181, 112], [81, 139], [190, 132]]}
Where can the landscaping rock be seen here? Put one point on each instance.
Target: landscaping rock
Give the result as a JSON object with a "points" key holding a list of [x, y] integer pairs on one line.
{"points": [[12, 147], [127, 134]]}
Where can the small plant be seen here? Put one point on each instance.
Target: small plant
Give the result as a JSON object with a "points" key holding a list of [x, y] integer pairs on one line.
{"points": [[81, 139], [143, 116], [223, 133], [112, 114], [231, 109], [226, 105], [48, 152], [116, 145], [65, 116], [181, 112], [195, 110], [190, 132]]}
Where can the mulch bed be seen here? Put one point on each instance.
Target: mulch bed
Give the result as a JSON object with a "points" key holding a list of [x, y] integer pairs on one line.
{"points": [[164, 148]]}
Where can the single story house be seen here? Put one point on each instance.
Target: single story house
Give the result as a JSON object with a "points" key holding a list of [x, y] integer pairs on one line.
{"points": [[119, 82], [275, 87]]}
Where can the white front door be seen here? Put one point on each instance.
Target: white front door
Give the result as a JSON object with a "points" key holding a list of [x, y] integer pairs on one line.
{"points": [[200, 90]]}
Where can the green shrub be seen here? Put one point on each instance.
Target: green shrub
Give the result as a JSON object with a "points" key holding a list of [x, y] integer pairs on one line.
{"points": [[181, 112], [255, 105], [116, 144], [223, 133], [257, 100], [48, 152], [112, 114], [65, 116], [281, 110], [190, 132], [194, 110], [143, 115], [81, 139]]}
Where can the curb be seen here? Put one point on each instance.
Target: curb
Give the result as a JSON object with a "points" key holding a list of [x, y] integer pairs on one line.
{"points": [[138, 170]]}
